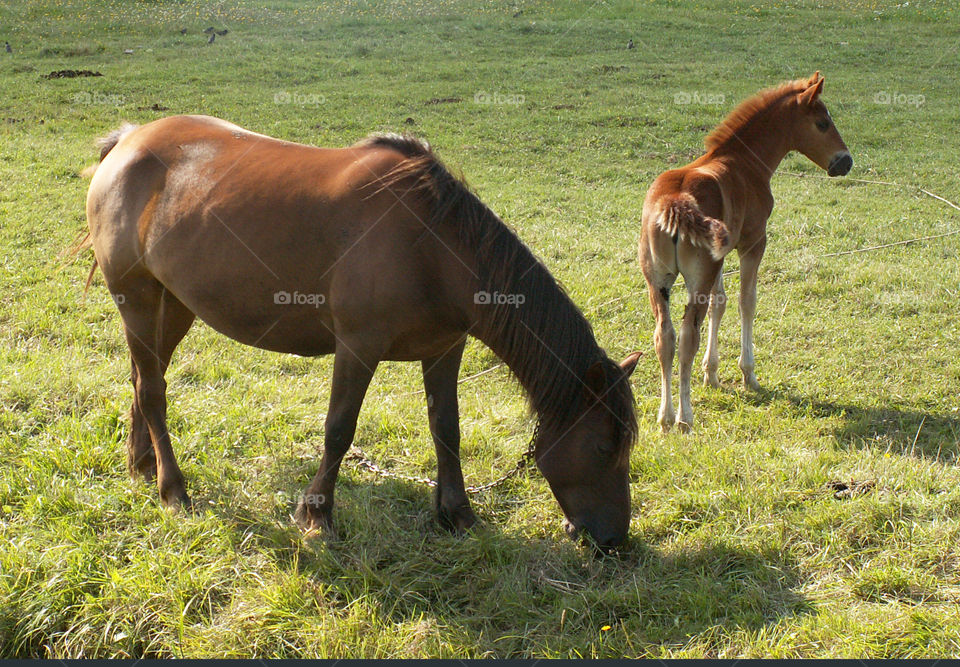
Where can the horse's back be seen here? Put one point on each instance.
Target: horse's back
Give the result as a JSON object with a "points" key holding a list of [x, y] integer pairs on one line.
{"points": [[247, 230]]}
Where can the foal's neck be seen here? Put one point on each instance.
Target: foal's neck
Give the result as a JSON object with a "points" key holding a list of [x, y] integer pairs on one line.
{"points": [[758, 149]]}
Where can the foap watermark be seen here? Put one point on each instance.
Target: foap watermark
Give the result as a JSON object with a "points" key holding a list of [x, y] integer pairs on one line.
{"points": [[119, 299], [299, 299], [483, 298], [87, 98], [895, 99], [698, 97], [308, 499], [496, 98], [299, 99]]}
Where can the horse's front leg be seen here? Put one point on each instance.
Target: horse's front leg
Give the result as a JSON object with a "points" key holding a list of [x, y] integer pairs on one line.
{"points": [[749, 268], [353, 368], [440, 382]]}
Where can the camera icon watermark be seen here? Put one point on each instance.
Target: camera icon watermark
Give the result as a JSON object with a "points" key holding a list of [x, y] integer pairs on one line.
{"points": [[299, 99], [888, 98], [299, 299], [87, 98], [684, 97], [497, 98], [484, 298]]}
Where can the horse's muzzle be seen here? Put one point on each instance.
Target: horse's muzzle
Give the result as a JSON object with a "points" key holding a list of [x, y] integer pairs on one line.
{"points": [[840, 165]]}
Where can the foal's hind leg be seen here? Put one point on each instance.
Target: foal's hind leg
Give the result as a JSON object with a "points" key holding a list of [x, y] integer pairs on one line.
{"points": [[700, 273], [174, 320], [440, 382], [658, 261], [154, 322], [353, 368], [711, 356]]}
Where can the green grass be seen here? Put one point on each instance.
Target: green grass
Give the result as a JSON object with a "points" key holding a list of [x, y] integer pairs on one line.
{"points": [[738, 548]]}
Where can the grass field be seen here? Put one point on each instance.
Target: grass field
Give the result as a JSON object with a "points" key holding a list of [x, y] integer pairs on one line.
{"points": [[738, 545]]}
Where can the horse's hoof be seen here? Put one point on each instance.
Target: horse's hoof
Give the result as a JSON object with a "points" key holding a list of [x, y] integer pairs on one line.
{"points": [[177, 502], [751, 384], [314, 523], [711, 381], [684, 427], [458, 520]]}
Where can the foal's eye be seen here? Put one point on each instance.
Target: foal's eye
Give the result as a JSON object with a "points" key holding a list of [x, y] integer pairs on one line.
{"points": [[823, 124]]}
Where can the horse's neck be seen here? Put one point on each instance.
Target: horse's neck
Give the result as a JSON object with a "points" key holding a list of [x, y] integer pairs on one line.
{"points": [[545, 340]]}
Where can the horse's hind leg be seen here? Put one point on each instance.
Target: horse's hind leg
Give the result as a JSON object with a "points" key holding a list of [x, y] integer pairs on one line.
{"points": [[353, 367], [174, 322], [154, 323], [711, 356], [440, 383]]}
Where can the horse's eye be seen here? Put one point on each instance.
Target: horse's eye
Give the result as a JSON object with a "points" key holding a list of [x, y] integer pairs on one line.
{"points": [[823, 124]]}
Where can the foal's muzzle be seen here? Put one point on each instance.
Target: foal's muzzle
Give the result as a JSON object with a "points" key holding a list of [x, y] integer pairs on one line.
{"points": [[840, 165]]}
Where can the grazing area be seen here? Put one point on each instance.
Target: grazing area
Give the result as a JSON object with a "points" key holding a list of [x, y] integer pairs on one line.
{"points": [[816, 517]]}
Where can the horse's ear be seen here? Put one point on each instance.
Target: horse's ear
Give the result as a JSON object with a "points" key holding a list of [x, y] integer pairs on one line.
{"points": [[596, 381], [630, 363], [810, 95], [814, 78]]}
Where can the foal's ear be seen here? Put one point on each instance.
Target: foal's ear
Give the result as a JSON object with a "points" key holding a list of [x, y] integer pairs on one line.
{"points": [[814, 78], [810, 95], [630, 363]]}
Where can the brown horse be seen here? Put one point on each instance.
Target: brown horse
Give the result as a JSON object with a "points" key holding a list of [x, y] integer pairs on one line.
{"points": [[693, 216], [372, 252]]}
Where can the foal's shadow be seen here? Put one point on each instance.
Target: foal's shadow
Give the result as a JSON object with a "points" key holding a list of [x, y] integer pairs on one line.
{"points": [[502, 591], [907, 432]]}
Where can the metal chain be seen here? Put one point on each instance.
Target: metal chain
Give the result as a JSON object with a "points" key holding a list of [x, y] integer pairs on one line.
{"points": [[364, 461]]}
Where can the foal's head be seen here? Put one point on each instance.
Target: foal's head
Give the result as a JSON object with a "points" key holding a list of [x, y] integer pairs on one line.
{"points": [[586, 456], [814, 133]]}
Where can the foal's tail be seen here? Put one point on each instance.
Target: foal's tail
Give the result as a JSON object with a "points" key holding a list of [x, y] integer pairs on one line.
{"points": [[83, 241], [680, 216]]}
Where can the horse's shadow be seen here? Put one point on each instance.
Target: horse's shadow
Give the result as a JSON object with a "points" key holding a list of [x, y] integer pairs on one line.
{"points": [[900, 431], [500, 591]]}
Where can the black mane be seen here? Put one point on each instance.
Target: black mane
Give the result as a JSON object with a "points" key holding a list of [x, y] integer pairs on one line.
{"points": [[545, 341]]}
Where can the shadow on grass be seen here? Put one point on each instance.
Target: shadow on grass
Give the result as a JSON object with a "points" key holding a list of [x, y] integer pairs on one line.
{"points": [[511, 593], [904, 431]]}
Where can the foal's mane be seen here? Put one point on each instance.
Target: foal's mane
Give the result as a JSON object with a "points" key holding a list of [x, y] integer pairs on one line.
{"points": [[546, 342], [750, 109]]}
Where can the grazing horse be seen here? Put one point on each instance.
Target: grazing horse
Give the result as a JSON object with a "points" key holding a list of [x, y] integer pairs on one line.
{"points": [[372, 252], [693, 216]]}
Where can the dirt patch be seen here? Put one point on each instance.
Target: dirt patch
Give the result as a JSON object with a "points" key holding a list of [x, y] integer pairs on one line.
{"points": [[70, 73], [443, 100], [851, 489], [154, 107], [607, 69]]}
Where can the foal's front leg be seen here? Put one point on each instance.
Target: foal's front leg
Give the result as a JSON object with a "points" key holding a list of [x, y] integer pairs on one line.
{"points": [[440, 383], [352, 372], [749, 267]]}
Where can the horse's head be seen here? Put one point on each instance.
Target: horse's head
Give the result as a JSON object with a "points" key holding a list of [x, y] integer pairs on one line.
{"points": [[814, 133], [586, 457]]}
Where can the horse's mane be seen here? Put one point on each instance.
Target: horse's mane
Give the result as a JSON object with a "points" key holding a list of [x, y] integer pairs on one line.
{"points": [[751, 108], [546, 341]]}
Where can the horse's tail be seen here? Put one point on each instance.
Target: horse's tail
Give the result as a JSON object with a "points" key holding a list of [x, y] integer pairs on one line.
{"points": [[83, 241], [680, 216]]}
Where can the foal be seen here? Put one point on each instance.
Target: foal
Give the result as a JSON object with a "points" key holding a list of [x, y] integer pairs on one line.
{"points": [[693, 216]]}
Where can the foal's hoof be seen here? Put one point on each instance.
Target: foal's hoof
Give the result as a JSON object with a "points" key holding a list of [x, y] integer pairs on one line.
{"points": [[711, 381], [458, 520], [684, 427]]}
